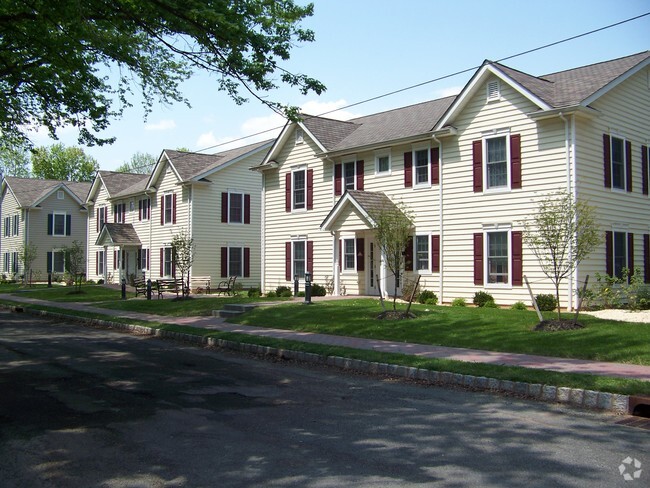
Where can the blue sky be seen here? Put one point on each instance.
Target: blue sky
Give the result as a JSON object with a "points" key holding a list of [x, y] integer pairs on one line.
{"points": [[366, 48]]}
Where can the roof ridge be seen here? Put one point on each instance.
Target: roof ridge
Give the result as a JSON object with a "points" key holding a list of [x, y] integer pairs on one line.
{"points": [[593, 64], [404, 107]]}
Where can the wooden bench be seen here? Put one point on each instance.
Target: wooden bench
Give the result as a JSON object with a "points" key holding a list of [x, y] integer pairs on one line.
{"points": [[227, 286], [168, 284], [201, 284], [140, 287]]}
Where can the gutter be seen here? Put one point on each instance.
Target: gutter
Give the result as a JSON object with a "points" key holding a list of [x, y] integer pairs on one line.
{"points": [[440, 223]]}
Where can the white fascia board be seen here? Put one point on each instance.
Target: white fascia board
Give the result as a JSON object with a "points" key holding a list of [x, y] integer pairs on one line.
{"points": [[615, 82], [155, 174], [338, 208], [277, 144], [231, 162], [60, 186]]}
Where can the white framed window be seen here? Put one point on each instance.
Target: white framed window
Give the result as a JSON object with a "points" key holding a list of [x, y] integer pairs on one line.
{"points": [[235, 210], [299, 189], [496, 154], [16, 225], [493, 90], [101, 263], [299, 258], [169, 211], [619, 248], [143, 259], [300, 136], [168, 258], [236, 261], [102, 217], [60, 195], [349, 176], [58, 224], [617, 151], [382, 163], [421, 167], [7, 228], [497, 246], [7, 263], [119, 211], [145, 208], [349, 254], [422, 252], [58, 261]]}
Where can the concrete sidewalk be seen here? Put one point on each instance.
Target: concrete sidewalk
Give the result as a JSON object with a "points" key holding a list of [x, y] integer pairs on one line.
{"points": [[563, 365]]}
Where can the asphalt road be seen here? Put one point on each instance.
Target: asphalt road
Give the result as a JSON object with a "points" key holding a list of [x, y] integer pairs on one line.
{"points": [[84, 407]]}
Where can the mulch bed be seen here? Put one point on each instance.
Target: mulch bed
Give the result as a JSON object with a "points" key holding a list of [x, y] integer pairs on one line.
{"points": [[557, 325], [395, 315]]}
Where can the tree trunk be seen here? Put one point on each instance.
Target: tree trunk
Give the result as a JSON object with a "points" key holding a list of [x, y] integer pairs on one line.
{"points": [[557, 297]]}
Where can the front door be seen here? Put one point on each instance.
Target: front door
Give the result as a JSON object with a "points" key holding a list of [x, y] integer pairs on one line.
{"points": [[373, 268]]}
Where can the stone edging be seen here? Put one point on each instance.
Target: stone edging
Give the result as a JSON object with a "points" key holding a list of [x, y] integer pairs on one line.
{"points": [[574, 397]]}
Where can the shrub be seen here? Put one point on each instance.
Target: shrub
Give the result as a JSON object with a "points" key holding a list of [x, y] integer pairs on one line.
{"points": [[301, 294], [271, 294], [482, 298], [459, 302], [546, 302], [428, 297], [518, 306], [318, 290], [490, 305], [282, 291], [254, 292], [100, 281]]}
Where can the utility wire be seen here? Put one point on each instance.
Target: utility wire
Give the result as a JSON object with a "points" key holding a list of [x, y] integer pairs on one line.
{"points": [[418, 85]]}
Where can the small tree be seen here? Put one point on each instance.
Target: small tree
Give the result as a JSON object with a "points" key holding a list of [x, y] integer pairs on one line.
{"points": [[75, 263], [27, 254], [393, 224], [562, 233], [183, 249]]}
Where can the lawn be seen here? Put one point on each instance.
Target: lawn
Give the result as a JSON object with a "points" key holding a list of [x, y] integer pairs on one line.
{"points": [[58, 293], [480, 328]]}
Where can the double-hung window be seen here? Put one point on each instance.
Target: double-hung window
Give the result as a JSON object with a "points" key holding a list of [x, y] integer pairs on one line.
{"points": [[421, 166], [497, 257], [58, 228], [382, 163], [299, 186], [119, 213], [235, 261], [7, 229], [16, 225], [422, 253], [168, 258], [349, 255], [101, 262], [349, 176], [496, 162], [101, 218], [169, 209], [620, 253], [58, 261], [299, 258], [144, 207], [14, 264], [618, 163], [7, 262], [235, 210]]}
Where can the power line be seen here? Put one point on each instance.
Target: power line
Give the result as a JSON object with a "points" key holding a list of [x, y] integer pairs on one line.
{"points": [[440, 78]]}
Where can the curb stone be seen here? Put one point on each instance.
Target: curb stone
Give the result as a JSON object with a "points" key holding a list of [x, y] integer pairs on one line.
{"points": [[575, 397]]}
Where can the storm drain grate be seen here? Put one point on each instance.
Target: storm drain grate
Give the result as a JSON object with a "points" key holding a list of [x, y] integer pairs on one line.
{"points": [[632, 421]]}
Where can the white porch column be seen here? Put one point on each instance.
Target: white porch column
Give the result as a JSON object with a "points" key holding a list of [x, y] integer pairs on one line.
{"points": [[337, 258], [382, 275]]}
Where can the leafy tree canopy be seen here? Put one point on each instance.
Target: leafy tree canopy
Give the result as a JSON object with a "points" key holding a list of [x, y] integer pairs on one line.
{"points": [[58, 162], [140, 162], [75, 63], [14, 161]]}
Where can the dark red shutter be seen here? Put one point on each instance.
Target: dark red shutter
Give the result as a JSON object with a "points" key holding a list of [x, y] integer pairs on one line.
{"points": [[628, 165], [338, 171], [68, 225], [50, 224], [408, 169], [114, 213], [435, 253], [247, 262], [408, 255], [139, 263], [173, 264], [174, 209], [139, 209], [310, 258], [96, 262], [360, 175], [224, 262], [162, 211], [477, 167], [97, 220], [310, 189], [287, 192], [644, 168], [515, 161], [630, 252], [435, 165], [162, 261], [287, 261], [609, 253], [607, 162], [517, 259], [247, 209], [361, 255], [224, 207], [340, 255], [646, 258], [478, 258], [114, 258]]}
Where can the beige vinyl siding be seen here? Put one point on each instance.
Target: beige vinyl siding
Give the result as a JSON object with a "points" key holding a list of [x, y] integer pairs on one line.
{"points": [[625, 113], [101, 199], [12, 243], [210, 234]]}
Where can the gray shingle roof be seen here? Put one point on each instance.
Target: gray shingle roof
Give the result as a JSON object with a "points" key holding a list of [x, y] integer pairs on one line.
{"points": [[372, 202], [121, 184], [28, 191], [120, 234], [189, 164]]}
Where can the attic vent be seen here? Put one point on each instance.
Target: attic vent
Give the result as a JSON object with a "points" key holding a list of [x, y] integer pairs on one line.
{"points": [[299, 136], [59, 195], [493, 92]]}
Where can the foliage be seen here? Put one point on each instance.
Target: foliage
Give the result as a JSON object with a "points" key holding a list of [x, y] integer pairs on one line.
{"points": [[27, 254], [393, 225], [329, 285], [254, 293], [71, 63], [141, 163], [75, 263], [518, 306], [283, 291], [482, 299], [458, 302], [271, 294], [561, 234], [183, 255], [546, 302], [428, 297], [58, 162], [627, 290], [14, 161], [318, 290]]}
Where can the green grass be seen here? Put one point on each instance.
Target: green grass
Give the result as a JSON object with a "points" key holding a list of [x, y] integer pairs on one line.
{"points": [[478, 328], [58, 293], [512, 373]]}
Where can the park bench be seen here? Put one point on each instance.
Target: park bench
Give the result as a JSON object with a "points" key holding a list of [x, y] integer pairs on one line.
{"points": [[227, 286], [140, 286], [201, 284], [168, 285]]}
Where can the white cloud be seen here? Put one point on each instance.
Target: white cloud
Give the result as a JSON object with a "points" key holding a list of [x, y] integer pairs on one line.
{"points": [[331, 110], [164, 124], [447, 92]]}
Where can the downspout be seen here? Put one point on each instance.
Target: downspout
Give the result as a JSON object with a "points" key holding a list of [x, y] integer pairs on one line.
{"points": [[263, 235], [570, 190], [440, 223]]}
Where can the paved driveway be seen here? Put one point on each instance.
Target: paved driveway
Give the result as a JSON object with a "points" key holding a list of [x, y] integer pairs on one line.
{"points": [[96, 408]]}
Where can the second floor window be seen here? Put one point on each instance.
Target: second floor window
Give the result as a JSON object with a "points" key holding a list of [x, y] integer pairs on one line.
{"points": [[144, 208], [496, 158], [421, 166], [236, 210], [618, 163], [299, 189], [168, 208], [119, 213]]}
